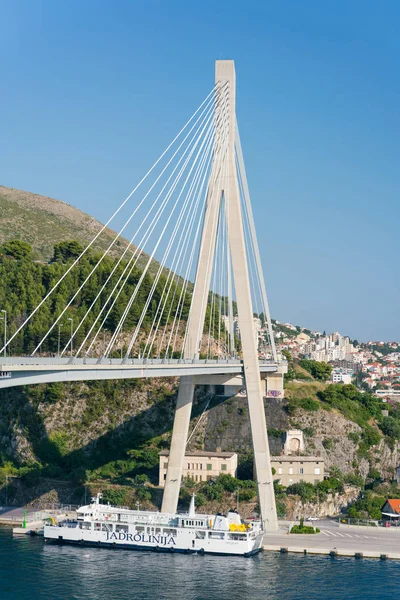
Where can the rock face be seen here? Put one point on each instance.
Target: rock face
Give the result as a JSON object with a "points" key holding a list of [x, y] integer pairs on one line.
{"points": [[333, 505], [331, 436], [228, 426]]}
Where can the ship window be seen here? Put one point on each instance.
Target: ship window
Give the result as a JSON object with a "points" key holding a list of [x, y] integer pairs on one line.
{"points": [[97, 526], [121, 528], [216, 535], [169, 531], [106, 527], [237, 537], [85, 525], [158, 530], [200, 535], [139, 529]]}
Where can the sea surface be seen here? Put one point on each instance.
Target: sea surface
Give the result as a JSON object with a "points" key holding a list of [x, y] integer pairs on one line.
{"points": [[33, 570]]}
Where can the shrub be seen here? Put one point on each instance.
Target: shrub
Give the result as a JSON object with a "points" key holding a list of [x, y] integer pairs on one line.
{"points": [[304, 529], [390, 427], [370, 436], [303, 489], [199, 500], [356, 480], [280, 509], [319, 370], [117, 497], [308, 431], [245, 495], [143, 494], [309, 404], [328, 443]]}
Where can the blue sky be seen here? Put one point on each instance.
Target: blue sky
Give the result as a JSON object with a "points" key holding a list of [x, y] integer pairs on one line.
{"points": [[92, 92]]}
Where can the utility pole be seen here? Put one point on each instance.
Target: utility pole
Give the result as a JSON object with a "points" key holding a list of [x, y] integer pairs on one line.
{"points": [[72, 330], [4, 318], [59, 335], [104, 340]]}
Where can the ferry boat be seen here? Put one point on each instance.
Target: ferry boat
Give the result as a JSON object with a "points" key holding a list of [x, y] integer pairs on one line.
{"points": [[104, 525]]}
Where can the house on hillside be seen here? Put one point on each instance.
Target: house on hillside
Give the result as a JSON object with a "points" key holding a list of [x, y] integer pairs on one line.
{"points": [[391, 509]]}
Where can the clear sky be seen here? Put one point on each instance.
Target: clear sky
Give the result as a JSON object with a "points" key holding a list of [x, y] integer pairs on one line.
{"points": [[92, 91]]}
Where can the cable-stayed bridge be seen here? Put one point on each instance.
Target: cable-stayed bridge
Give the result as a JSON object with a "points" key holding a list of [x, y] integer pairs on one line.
{"points": [[193, 309], [28, 371]]}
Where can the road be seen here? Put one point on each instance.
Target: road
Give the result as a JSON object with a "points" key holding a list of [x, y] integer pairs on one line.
{"points": [[343, 538]]}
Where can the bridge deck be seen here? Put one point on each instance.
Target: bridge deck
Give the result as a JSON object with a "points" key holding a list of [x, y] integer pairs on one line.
{"points": [[30, 370]]}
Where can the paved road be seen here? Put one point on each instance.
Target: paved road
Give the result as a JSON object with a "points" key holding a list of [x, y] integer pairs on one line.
{"points": [[333, 537]]}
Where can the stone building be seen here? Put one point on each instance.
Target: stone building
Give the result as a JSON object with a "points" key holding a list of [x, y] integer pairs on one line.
{"points": [[201, 465], [294, 469], [293, 442]]}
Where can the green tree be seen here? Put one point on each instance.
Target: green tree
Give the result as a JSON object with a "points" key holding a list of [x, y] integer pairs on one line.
{"points": [[16, 248], [319, 370], [66, 250]]}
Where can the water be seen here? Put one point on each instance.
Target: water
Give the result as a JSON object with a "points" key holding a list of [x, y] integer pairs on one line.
{"points": [[32, 570]]}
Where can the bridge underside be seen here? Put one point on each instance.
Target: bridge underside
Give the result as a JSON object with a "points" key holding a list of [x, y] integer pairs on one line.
{"points": [[204, 372]]}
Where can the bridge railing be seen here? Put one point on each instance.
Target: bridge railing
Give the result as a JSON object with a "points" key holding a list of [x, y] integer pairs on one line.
{"points": [[49, 360]]}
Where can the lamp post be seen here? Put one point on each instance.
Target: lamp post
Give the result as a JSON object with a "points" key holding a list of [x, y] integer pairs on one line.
{"points": [[5, 330], [72, 330], [104, 340], [59, 336]]}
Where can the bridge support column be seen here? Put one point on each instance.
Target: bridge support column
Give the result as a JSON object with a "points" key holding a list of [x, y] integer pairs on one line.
{"points": [[178, 445], [275, 385]]}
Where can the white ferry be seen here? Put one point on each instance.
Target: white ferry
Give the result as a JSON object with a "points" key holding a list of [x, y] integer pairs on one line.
{"points": [[105, 525]]}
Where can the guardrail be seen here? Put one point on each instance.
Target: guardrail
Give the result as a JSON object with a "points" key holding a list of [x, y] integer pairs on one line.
{"points": [[368, 522]]}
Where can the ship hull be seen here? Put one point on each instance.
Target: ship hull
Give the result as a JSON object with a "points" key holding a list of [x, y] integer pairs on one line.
{"points": [[188, 545]]}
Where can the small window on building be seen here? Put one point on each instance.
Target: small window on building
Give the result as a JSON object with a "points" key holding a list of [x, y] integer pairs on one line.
{"points": [[209, 466], [165, 476], [279, 470], [290, 470], [165, 465], [200, 477], [197, 466], [188, 465], [223, 467], [317, 471], [301, 471], [201, 466]]}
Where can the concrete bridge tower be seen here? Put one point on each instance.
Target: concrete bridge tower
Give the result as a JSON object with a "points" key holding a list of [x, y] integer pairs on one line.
{"points": [[223, 184]]}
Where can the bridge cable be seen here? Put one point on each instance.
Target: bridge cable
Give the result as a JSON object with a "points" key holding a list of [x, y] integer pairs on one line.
{"points": [[108, 222]]}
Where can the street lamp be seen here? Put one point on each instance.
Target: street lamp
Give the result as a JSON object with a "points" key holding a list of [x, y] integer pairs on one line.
{"points": [[104, 340], [72, 330], [59, 334], [5, 330]]}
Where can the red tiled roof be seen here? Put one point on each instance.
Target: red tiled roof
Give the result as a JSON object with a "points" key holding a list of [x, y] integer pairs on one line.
{"points": [[395, 505]]}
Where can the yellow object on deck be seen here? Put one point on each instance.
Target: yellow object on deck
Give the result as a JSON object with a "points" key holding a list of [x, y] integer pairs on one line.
{"points": [[234, 527]]}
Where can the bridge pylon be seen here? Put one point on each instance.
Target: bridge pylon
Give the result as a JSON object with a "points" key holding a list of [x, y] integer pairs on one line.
{"points": [[223, 186]]}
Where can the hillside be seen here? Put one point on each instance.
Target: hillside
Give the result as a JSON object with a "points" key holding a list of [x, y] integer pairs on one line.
{"points": [[43, 222]]}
